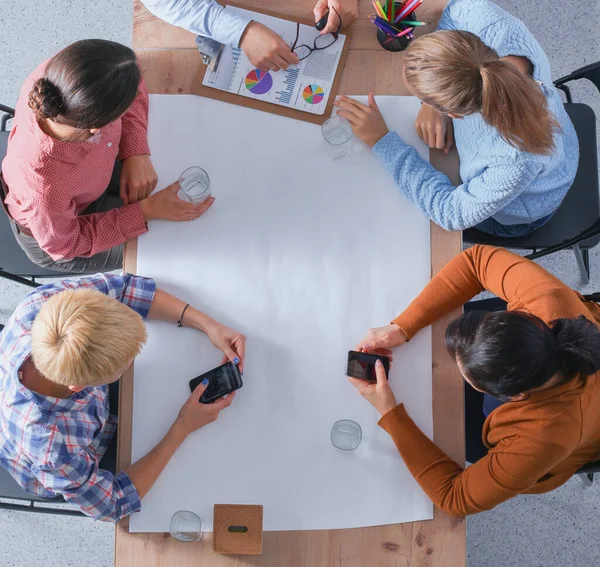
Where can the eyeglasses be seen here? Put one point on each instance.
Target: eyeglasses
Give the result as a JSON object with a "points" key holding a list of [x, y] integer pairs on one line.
{"points": [[321, 42]]}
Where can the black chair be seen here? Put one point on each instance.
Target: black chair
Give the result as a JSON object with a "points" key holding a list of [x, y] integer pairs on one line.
{"points": [[14, 263], [576, 224]]}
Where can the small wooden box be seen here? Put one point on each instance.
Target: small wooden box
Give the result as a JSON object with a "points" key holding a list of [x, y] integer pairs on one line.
{"points": [[238, 529]]}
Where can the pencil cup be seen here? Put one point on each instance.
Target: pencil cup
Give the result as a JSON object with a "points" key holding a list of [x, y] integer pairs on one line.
{"points": [[186, 526], [346, 435], [194, 185], [337, 134], [390, 43]]}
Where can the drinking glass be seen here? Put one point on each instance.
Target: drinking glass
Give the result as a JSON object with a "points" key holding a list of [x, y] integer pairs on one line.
{"points": [[186, 526], [346, 435], [195, 185], [337, 133]]}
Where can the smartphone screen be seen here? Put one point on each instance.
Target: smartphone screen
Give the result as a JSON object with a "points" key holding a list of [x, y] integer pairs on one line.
{"points": [[362, 365], [222, 380]]}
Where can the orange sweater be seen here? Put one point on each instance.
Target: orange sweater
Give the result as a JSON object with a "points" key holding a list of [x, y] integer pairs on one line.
{"points": [[536, 444]]}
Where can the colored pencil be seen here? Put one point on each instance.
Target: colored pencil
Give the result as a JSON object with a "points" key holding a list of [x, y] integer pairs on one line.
{"points": [[378, 9], [386, 24], [412, 6]]}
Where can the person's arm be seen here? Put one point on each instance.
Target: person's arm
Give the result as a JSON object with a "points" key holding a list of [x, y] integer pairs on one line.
{"points": [[104, 496], [96, 492], [134, 126], [451, 207], [63, 234], [510, 468], [166, 307], [201, 17], [193, 416], [521, 282]]}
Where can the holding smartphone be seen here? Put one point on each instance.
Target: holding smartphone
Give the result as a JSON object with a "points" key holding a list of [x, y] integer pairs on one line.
{"points": [[362, 365], [222, 380]]}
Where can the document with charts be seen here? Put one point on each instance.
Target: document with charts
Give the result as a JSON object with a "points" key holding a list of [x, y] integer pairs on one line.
{"points": [[305, 86]]}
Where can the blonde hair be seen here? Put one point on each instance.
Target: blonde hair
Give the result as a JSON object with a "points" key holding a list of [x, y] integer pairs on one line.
{"points": [[82, 337], [456, 73]]}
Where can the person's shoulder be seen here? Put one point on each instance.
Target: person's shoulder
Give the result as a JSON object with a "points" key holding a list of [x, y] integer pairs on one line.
{"points": [[553, 422], [475, 15]]}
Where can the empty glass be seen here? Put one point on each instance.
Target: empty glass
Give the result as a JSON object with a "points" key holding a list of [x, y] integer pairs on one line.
{"points": [[186, 526], [337, 133], [195, 185], [346, 435]]}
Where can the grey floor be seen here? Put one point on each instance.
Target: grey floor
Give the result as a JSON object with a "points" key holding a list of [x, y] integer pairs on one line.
{"points": [[559, 528]]}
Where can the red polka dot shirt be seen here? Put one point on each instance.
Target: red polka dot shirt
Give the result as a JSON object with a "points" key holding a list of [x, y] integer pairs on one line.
{"points": [[50, 181]]}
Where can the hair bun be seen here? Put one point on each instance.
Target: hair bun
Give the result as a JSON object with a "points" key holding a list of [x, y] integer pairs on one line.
{"points": [[45, 99]]}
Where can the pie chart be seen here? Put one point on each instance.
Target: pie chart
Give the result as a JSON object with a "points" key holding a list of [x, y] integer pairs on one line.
{"points": [[258, 82], [313, 94]]}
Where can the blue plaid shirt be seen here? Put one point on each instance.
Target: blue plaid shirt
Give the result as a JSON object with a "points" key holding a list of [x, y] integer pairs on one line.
{"points": [[52, 446]]}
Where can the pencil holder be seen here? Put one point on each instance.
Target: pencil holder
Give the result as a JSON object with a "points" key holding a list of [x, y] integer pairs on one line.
{"points": [[390, 43]]}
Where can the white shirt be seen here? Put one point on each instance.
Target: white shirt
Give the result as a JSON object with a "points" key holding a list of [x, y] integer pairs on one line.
{"points": [[202, 17]]}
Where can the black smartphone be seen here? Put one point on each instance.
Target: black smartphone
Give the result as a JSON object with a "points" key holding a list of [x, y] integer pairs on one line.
{"points": [[222, 380], [362, 365]]}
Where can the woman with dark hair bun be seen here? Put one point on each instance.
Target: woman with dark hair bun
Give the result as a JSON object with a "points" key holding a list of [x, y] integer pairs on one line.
{"points": [[77, 176], [532, 376]]}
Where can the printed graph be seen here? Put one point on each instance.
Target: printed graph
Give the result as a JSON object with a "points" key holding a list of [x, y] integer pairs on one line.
{"points": [[258, 82], [313, 94], [291, 76]]}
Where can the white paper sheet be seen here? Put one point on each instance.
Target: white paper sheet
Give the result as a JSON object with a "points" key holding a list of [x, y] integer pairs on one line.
{"points": [[305, 86], [303, 255]]}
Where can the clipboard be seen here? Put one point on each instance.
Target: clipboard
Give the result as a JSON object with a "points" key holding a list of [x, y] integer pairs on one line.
{"points": [[199, 89]]}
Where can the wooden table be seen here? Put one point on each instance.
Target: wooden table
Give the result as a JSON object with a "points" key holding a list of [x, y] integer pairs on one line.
{"points": [[169, 60]]}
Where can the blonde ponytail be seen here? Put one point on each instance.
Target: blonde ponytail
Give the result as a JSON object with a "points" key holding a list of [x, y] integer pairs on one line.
{"points": [[456, 73]]}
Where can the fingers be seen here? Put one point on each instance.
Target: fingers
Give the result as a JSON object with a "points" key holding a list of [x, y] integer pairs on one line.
{"points": [[199, 390], [241, 351], [350, 104], [192, 212], [349, 117], [123, 190], [320, 9], [373, 102], [230, 354], [440, 136], [288, 56], [173, 188], [225, 402], [280, 62], [380, 373]]}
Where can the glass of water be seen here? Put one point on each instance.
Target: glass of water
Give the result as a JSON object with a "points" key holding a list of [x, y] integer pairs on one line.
{"points": [[186, 526], [337, 133], [195, 185], [346, 435]]}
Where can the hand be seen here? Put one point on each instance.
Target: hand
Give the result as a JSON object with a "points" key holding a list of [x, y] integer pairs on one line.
{"points": [[194, 415], [230, 342], [436, 130], [367, 122], [347, 10], [138, 179], [166, 205], [389, 336], [266, 50], [379, 395]]}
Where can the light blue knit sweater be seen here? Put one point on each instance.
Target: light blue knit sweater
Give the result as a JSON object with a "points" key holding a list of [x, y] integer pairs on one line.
{"points": [[498, 180]]}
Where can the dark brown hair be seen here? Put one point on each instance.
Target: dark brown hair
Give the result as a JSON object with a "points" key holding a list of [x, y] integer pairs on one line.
{"points": [[456, 73], [87, 85], [506, 353]]}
